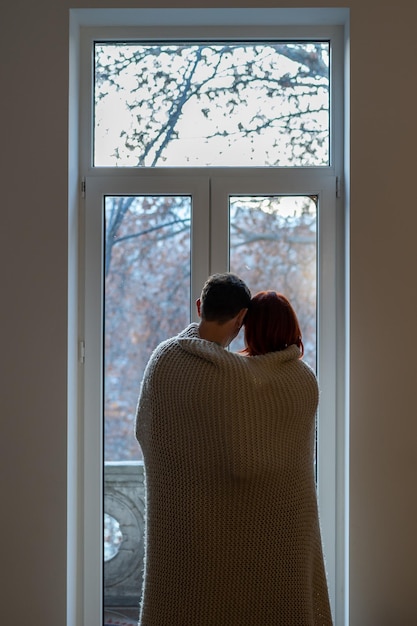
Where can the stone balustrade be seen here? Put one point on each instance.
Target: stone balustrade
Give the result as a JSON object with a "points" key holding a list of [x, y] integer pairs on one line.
{"points": [[124, 503]]}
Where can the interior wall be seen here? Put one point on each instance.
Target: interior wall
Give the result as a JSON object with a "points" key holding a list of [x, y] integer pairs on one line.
{"points": [[34, 350], [383, 305]]}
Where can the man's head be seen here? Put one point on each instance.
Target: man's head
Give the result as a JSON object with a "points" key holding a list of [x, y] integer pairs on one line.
{"points": [[223, 296], [222, 306]]}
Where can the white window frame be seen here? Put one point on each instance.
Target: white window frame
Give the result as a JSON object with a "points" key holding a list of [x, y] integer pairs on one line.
{"points": [[332, 366]]}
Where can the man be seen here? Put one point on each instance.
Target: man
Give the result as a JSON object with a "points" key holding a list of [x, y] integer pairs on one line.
{"points": [[168, 391], [232, 532], [223, 304]]}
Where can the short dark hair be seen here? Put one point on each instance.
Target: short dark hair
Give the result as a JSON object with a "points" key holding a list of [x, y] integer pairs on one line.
{"points": [[223, 296]]}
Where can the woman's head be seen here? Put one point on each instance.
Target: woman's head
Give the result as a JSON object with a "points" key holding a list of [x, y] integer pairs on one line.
{"points": [[271, 324]]}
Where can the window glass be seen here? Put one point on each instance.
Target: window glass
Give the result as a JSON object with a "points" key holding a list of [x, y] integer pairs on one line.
{"points": [[273, 246], [147, 280], [217, 104], [147, 299]]}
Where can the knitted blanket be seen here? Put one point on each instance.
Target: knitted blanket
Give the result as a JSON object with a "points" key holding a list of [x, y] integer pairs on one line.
{"points": [[232, 528]]}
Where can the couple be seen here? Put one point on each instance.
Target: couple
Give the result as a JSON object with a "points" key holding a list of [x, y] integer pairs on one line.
{"points": [[232, 528]]}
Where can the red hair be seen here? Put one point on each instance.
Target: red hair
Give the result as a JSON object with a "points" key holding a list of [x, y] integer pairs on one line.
{"points": [[271, 324]]}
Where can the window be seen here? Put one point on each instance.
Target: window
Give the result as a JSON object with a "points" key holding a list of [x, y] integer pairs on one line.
{"points": [[199, 154], [212, 104]]}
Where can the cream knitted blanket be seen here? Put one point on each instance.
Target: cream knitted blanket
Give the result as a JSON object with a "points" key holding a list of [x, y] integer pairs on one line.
{"points": [[232, 529]]}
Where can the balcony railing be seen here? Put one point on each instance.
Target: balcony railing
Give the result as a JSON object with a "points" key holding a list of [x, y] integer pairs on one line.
{"points": [[124, 506]]}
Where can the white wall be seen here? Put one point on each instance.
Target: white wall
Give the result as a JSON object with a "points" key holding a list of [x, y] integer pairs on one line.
{"points": [[35, 226]]}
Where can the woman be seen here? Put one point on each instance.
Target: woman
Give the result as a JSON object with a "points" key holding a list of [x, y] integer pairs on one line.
{"points": [[271, 325], [272, 329]]}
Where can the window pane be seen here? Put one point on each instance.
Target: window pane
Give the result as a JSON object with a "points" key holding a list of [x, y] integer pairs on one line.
{"points": [[273, 246], [228, 104], [147, 299]]}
